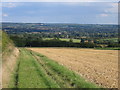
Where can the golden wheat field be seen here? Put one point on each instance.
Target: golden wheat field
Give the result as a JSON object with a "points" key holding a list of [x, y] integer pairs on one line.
{"points": [[98, 66]]}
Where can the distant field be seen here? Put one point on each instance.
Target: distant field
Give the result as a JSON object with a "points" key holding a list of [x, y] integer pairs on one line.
{"points": [[109, 39], [98, 66], [64, 39], [78, 40]]}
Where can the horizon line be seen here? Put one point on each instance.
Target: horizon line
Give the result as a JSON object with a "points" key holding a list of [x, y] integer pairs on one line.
{"points": [[61, 23]]}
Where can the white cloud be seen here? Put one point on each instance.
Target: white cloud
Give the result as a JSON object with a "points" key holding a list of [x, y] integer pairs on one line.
{"points": [[59, 0], [103, 15], [76, 3], [113, 8], [10, 4], [5, 15]]}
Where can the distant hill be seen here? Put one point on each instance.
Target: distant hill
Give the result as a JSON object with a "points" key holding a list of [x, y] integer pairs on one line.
{"points": [[63, 30]]}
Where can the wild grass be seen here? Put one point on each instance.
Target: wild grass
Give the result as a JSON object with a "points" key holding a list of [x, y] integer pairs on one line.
{"points": [[6, 41]]}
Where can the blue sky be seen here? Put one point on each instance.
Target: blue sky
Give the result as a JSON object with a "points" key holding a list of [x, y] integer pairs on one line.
{"points": [[61, 12]]}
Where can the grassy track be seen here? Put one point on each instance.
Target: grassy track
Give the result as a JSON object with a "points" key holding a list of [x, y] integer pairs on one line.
{"points": [[37, 71], [29, 73]]}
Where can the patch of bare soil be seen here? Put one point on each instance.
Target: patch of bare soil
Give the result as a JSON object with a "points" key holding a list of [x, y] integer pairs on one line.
{"points": [[8, 66], [98, 66]]}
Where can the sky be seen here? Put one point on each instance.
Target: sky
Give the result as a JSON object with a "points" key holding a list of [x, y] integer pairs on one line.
{"points": [[59, 0], [93, 12]]}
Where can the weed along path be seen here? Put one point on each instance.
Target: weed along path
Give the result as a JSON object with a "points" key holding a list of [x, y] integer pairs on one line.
{"points": [[37, 71]]}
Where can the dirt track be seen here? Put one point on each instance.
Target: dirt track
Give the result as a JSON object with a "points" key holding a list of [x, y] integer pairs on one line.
{"points": [[8, 66], [99, 66]]}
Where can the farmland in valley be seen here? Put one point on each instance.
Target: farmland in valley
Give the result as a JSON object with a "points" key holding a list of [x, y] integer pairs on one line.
{"points": [[32, 67], [64, 39], [62, 67], [98, 66]]}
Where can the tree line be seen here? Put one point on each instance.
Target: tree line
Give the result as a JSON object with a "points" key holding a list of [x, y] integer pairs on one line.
{"points": [[39, 42], [34, 41]]}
